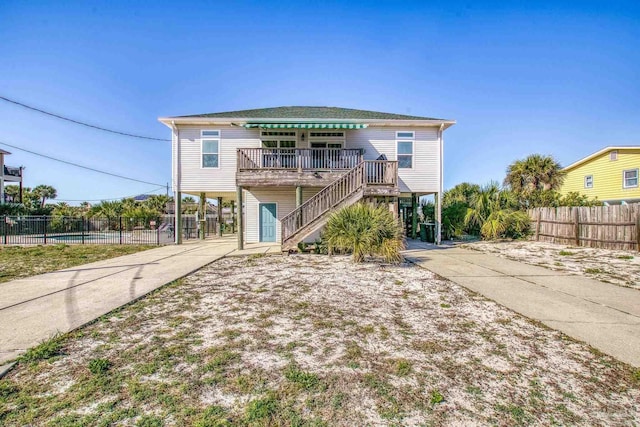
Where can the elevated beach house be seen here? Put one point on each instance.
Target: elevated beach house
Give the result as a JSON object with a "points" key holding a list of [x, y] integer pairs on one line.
{"points": [[289, 167]]}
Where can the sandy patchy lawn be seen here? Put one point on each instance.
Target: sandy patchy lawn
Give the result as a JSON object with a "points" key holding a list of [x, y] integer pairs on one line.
{"points": [[313, 340], [611, 266], [17, 262]]}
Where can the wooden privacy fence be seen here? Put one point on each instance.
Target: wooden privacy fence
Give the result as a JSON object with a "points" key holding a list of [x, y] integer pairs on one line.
{"points": [[610, 227]]}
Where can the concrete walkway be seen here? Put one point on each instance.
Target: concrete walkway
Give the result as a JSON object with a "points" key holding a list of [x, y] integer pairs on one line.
{"points": [[605, 316], [35, 308]]}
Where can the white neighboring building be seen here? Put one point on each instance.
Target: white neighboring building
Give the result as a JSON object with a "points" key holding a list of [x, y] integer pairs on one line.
{"points": [[9, 174]]}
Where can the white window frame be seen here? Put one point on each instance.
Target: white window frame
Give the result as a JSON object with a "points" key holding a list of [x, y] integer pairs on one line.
{"points": [[209, 138], [624, 178], [587, 179], [412, 137], [339, 138], [279, 138], [402, 138], [613, 155]]}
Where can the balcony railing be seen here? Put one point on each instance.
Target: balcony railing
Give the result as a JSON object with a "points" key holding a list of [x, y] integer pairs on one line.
{"points": [[298, 158], [12, 171]]}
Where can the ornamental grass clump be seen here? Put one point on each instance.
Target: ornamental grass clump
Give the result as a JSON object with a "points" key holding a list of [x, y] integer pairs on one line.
{"points": [[361, 230]]}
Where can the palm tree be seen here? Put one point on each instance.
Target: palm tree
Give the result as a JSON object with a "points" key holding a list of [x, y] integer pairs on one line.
{"points": [[108, 209], [535, 172], [45, 192], [482, 203], [494, 214], [461, 193], [157, 202]]}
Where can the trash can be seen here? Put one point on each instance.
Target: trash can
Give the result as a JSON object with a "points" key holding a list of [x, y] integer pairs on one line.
{"points": [[423, 232], [430, 231]]}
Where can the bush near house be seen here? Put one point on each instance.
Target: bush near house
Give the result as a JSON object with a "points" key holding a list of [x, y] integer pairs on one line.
{"points": [[495, 212], [361, 230]]}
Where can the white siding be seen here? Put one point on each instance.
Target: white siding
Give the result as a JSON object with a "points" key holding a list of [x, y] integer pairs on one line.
{"points": [[285, 199], [197, 179], [424, 177]]}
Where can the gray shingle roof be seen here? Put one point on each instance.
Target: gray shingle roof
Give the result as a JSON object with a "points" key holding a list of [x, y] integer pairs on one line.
{"points": [[311, 113]]}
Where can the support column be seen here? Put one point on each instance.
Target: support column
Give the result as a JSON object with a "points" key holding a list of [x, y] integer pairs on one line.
{"points": [[438, 218], [203, 214], [414, 215], [233, 216], [220, 216], [298, 196], [240, 221], [178, 211]]}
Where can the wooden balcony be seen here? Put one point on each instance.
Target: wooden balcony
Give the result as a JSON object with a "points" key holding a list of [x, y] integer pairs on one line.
{"points": [[308, 167]]}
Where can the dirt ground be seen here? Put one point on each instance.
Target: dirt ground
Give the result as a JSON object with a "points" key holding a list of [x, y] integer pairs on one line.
{"points": [[317, 340], [612, 266]]}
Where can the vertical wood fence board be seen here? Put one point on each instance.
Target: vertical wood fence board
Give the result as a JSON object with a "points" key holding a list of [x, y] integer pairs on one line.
{"points": [[610, 227]]}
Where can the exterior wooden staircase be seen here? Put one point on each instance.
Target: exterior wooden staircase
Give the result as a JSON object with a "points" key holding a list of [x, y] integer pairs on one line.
{"points": [[369, 178]]}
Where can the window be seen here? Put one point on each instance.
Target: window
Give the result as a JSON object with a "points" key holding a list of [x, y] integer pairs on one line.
{"points": [[405, 149], [613, 155], [326, 134], [630, 178], [405, 135], [588, 181], [278, 133], [210, 148]]}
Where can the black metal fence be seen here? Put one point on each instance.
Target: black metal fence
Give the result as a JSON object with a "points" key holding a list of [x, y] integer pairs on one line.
{"points": [[43, 230], [46, 230]]}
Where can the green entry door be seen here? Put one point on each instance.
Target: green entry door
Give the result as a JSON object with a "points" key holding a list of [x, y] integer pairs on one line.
{"points": [[267, 222]]}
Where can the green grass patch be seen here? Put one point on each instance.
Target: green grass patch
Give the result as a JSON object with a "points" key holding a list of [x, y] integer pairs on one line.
{"points": [[17, 262], [305, 380], [260, 411], [566, 253], [593, 270], [44, 351], [625, 257], [99, 366], [213, 416], [402, 367], [436, 397], [149, 421], [7, 388]]}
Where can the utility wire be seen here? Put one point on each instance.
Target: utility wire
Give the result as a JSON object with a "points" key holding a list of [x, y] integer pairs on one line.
{"points": [[113, 198], [80, 166], [79, 122]]}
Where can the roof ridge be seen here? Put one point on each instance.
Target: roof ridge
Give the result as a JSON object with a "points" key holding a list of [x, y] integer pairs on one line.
{"points": [[309, 112]]}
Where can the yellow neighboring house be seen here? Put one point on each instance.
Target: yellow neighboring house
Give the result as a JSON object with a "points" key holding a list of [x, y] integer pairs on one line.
{"points": [[611, 175]]}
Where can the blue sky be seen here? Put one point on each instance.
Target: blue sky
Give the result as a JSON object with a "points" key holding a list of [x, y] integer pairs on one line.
{"points": [[520, 77]]}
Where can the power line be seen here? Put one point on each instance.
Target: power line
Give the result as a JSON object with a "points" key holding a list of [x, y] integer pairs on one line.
{"points": [[80, 166], [79, 122], [114, 198]]}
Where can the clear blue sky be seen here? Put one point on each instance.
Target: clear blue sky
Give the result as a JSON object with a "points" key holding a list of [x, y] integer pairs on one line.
{"points": [[520, 77]]}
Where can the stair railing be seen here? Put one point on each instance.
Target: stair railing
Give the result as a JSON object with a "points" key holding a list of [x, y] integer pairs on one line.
{"points": [[370, 172]]}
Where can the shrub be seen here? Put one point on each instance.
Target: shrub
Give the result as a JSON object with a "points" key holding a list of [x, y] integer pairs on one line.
{"points": [[506, 224], [362, 229]]}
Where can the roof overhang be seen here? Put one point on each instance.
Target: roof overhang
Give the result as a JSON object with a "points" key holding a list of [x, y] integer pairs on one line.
{"points": [[601, 152], [170, 121]]}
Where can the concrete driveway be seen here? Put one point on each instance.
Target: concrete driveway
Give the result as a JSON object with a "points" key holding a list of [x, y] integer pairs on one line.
{"points": [[605, 316], [35, 308]]}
